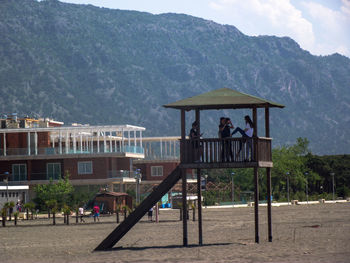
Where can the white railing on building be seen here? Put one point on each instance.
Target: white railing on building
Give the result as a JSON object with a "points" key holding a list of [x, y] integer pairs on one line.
{"points": [[77, 140]]}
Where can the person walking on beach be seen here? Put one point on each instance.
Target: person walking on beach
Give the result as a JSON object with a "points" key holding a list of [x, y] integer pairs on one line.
{"points": [[96, 211], [81, 214], [150, 214]]}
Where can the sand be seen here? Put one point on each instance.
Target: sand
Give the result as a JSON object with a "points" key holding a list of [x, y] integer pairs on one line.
{"points": [[302, 233]]}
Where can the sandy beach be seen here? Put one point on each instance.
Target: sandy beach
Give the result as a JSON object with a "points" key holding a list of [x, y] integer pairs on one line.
{"points": [[301, 233]]}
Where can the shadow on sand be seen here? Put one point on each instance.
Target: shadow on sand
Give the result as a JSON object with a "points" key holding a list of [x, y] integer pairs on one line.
{"points": [[163, 247]]}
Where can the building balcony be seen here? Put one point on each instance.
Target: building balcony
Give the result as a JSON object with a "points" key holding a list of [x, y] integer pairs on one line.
{"points": [[63, 152], [226, 153], [111, 176]]}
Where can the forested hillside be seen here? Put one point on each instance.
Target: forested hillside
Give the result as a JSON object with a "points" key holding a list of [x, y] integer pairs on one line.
{"points": [[86, 64]]}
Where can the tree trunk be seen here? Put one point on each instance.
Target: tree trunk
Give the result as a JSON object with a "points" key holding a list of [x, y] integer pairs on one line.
{"points": [[124, 213], [10, 214], [117, 214], [4, 221], [64, 218], [67, 219], [27, 211], [15, 220], [54, 218], [77, 216], [194, 214]]}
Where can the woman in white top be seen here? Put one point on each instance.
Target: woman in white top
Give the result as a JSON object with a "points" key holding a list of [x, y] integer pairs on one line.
{"points": [[246, 133]]}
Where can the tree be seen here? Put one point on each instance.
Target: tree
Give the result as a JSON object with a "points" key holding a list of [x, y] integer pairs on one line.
{"points": [[66, 212], [291, 160], [4, 215], [52, 206], [58, 191], [16, 214], [30, 206]]}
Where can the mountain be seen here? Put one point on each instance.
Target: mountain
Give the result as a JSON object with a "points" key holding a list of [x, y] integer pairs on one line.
{"points": [[80, 63]]}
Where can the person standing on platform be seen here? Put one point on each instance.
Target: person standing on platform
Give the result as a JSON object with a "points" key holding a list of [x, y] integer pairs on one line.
{"points": [[247, 133], [195, 137], [226, 151]]}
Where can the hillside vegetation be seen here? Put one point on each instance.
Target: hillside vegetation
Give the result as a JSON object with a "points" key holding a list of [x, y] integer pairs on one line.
{"points": [[80, 63]]}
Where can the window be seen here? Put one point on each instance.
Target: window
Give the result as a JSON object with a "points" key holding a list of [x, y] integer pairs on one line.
{"points": [[19, 172], [156, 170], [53, 171], [85, 167]]}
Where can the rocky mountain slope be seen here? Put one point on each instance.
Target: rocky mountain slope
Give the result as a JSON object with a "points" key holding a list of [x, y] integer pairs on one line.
{"points": [[86, 64]]}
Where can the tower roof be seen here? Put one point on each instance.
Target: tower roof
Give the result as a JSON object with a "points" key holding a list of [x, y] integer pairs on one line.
{"points": [[224, 98]]}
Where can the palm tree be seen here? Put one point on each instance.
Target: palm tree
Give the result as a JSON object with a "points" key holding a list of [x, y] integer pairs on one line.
{"points": [[126, 209], [54, 211], [52, 206], [66, 211], [29, 206], [16, 214], [4, 215], [117, 212], [194, 211]]}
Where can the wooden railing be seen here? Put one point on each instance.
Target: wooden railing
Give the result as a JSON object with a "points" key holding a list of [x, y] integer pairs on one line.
{"points": [[226, 150]]}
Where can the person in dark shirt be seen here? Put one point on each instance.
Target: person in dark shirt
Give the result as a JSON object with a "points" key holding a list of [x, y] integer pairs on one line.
{"points": [[225, 131], [221, 126], [194, 137]]}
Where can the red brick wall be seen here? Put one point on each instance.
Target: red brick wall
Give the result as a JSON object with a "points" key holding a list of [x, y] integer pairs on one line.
{"points": [[20, 140], [36, 169], [100, 167], [6, 166], [16, 140], [122, 163], [168, 167], [43, 140]]}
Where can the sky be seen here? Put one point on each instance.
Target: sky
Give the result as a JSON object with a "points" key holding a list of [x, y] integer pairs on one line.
{"points": [[321, 27]]}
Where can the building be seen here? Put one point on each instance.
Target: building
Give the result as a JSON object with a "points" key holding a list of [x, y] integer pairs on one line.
{"points": [[35, 151], [110, 202], [13, 193], [162, 156]]}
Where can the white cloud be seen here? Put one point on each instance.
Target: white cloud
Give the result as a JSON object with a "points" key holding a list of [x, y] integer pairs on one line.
{"points": [[346, 7], [267, 17], [317, 28], [333, 33]]}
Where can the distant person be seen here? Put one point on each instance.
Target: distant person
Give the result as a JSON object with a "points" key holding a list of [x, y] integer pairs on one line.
{"points": [[247, 133], [221, 126], [225, 128], [18, 206], [150, 214], [81, 214], [194, 137], [96, 211]]}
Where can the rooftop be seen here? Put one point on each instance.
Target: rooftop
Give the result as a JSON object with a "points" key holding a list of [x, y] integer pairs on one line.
{"points": [[224, 98]]}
